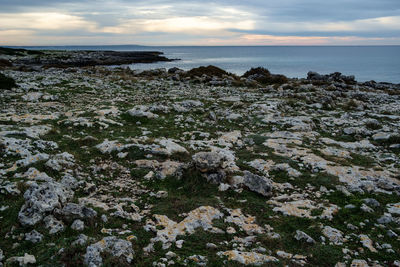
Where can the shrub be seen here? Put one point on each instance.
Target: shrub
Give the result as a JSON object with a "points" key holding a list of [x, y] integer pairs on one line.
{"points": [[5, 63], [209, 71], [257, 71], [263, 76], [6, 82], [350, 105]]}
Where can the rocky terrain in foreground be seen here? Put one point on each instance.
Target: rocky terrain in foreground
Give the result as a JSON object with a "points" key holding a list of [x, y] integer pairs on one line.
{"points": [[107, 166]]}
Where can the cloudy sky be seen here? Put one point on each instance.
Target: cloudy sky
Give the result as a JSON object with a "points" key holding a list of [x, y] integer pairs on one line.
{"points": [[205, 22]]}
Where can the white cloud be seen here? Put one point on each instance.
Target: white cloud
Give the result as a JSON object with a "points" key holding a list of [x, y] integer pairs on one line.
{"points": [[364, 25], [44, 21]]}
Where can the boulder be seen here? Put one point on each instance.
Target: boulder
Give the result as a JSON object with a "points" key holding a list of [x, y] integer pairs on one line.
{"points": [[72, 211], [42, 199], [257, 183], [208, 161], [116, 247]]}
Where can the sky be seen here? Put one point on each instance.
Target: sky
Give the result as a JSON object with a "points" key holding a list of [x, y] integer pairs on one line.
{"points": [[205, 22]]}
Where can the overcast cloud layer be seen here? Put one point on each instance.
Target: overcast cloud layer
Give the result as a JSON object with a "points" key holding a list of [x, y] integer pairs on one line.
{"points": [[178, 22]]}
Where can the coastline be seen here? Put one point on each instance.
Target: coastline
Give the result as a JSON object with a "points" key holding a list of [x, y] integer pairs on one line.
{"points": [[365, 62]]}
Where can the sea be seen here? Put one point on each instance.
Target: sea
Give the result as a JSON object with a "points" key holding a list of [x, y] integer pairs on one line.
{"points": [[366, 63]]}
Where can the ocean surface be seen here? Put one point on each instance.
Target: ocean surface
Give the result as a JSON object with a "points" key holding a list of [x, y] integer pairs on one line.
{"points": [[379, 63]]}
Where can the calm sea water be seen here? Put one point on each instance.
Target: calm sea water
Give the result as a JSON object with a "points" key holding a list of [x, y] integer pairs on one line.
{"points": [[379, 63]]}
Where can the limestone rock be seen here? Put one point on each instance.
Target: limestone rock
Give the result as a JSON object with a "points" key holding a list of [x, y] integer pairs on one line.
{"points": [[53, 224], [142, 111], [208, 161], [23, 260], [301, 236], [247, 258], [42, 199], [258, 184], [116, 247], [334, 235], [72, 211], [78, 225], [34, 236]]}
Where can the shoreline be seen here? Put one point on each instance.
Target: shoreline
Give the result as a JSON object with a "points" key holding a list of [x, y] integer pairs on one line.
{"points": [[298, 60]]}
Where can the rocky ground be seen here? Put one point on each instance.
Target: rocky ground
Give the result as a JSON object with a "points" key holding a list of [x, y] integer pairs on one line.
{"points": [[108, 166]]}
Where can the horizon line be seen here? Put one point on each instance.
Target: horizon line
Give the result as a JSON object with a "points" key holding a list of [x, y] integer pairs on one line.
{"points": [[115, 45]]}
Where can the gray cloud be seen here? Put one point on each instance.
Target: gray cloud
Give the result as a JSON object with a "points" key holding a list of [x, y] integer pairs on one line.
{"points": [[139, 21]]}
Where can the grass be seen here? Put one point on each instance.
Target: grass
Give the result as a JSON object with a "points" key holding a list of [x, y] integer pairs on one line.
{"points": [[209, 71], [184, 195]]}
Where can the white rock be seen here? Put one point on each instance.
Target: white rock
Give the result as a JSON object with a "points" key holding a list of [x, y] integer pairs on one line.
{"points": [[247, 258], [78, 225], [334, 235], [24, 260]]}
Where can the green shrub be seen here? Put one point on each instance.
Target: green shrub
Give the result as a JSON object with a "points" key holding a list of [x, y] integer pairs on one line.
{"points": [[5, 63], [263, 76], [258, 71], [209, 71], [6, 82]]}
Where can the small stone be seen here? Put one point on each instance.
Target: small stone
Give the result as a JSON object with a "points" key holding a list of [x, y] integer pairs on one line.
{"points": [[231, 230], [78, 225], [371, 202], [24, 260], [170, 255], [382, 136], [283, 254], [122, 155], [394, 208], [367, 242], [81, 240], [301, 236], [365, 208], [34, 236], [359, 263], [334, 235], [211, 246], [390, 233], [385, 219], [179, 243], [223, 187], [53, 224]]}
